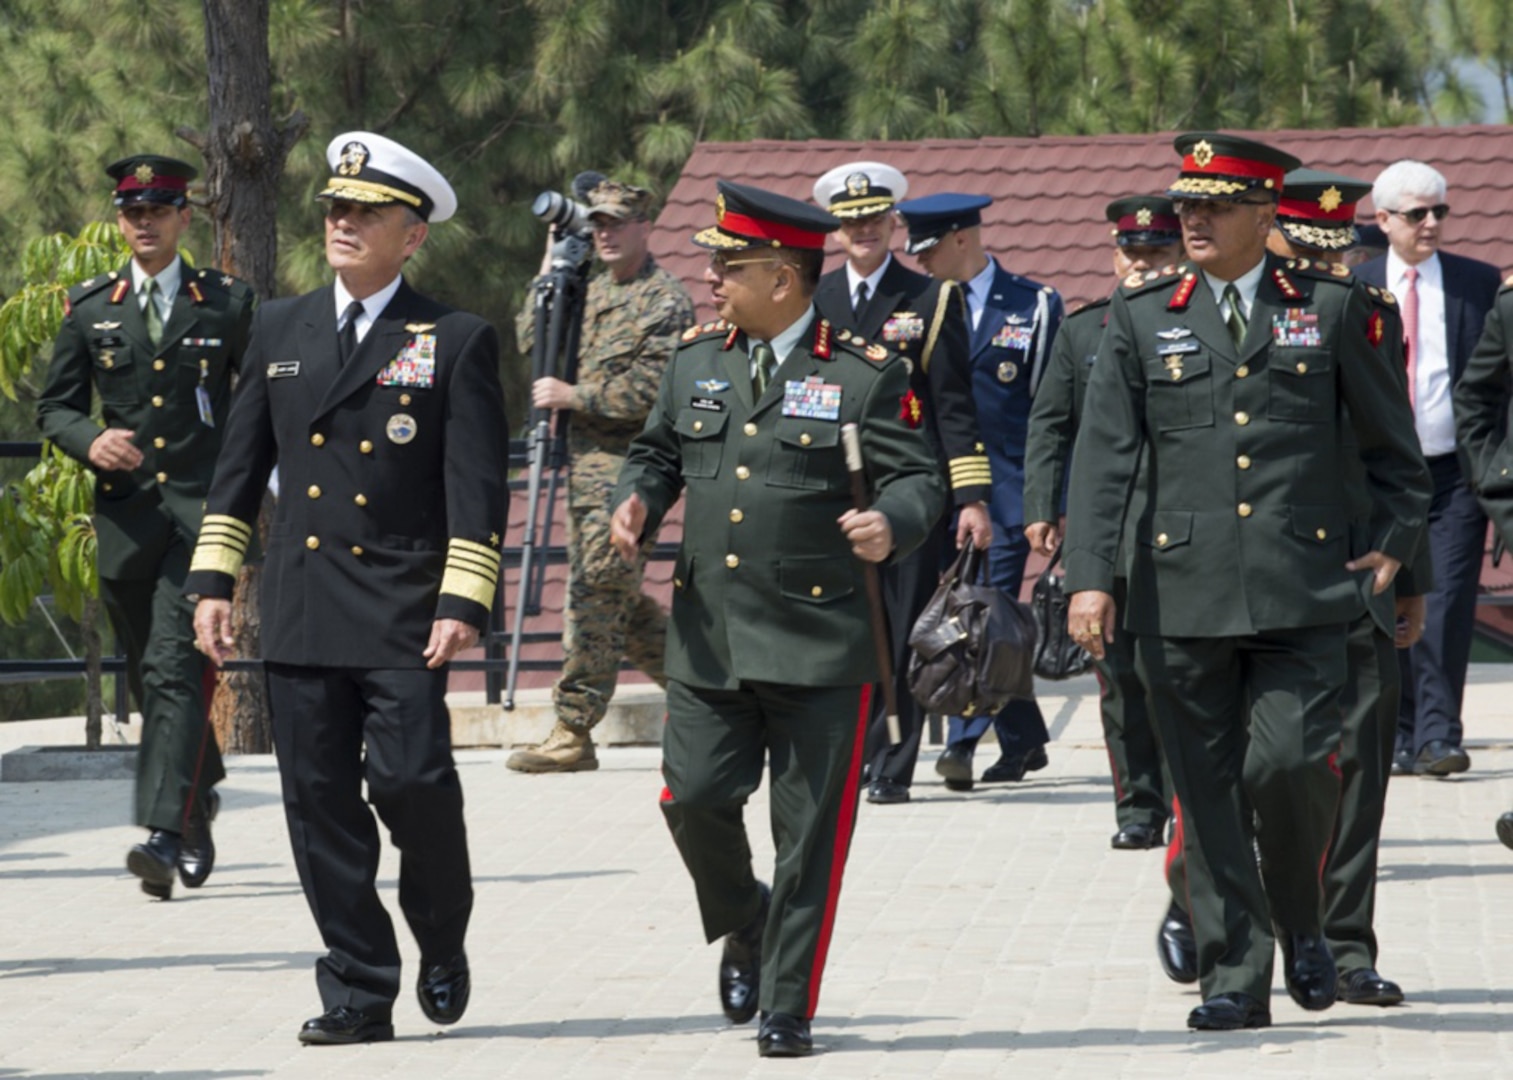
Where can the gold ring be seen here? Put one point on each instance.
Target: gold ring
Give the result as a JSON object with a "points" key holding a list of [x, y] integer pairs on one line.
{"points": [[1094, 628]]}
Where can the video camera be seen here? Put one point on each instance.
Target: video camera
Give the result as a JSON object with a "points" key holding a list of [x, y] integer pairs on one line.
{"points": [[569, 220]]}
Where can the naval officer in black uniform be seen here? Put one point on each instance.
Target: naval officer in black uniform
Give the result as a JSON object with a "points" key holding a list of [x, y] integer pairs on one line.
{"points": [[383, 411]]}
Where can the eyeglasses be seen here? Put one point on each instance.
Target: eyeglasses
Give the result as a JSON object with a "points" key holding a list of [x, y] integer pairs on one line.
{"points": [[1416, 216], [721, 265], [1213, 207]]}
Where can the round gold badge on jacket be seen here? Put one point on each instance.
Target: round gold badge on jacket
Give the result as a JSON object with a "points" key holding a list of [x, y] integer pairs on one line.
{"points": [[1008, 371], [400, 428]]}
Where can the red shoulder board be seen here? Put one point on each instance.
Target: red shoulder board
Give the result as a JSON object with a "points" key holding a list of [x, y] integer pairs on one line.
{"points": [[119, 292], [1374, 328], [822, 340], [910, 411], [1284, 283], [1184, 294], [730, 337], [195, 291]]}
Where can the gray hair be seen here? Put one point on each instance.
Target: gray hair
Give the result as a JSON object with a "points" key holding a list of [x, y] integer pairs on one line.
{"points": [[1403, 179]]}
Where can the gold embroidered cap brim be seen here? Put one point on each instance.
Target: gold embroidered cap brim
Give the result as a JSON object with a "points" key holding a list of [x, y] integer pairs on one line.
{"points": [[863, 207], [1332, 237], [365, 191]]}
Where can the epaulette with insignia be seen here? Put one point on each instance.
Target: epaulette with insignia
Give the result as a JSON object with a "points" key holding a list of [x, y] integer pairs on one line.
{"points": [[89, 286], [822, 336], [1284, 284], [1381, 296], [718, 326], [1138, 283], [1316, 268], [119, 292], [876, 353]]}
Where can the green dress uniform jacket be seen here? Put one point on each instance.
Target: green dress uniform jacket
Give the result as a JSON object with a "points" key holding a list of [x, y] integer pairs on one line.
{"points": [[1056, 414], [1482, 409]]}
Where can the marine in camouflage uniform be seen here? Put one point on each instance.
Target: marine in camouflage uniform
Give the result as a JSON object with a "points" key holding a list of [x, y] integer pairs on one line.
{"points": [[632, 317]]}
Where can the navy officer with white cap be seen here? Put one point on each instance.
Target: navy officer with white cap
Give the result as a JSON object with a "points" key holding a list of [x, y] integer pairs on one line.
{"points": [[383, 412], [1012, 323]]}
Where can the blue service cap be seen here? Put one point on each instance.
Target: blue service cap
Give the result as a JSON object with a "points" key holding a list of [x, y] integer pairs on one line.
{"points": [[933, 216]]}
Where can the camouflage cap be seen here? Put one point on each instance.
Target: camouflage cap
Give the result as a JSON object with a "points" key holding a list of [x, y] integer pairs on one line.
{"points": [[621, 201]]}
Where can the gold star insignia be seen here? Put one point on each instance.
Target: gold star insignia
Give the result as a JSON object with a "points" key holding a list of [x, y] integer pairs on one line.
{"points": [[1203, 153], [493, 539], [1330, 200], [144, 174], [1143, 217], [227, 279]]}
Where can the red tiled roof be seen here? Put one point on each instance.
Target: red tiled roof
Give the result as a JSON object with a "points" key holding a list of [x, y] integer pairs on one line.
{"points": [[1047, 218]]}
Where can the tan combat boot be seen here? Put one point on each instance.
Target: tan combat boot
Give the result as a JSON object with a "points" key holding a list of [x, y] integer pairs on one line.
{"points": [[564, 750]]}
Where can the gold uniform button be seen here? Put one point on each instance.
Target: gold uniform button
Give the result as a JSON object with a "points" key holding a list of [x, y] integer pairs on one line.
{"points": [[360, 500], [317, 439], [1243, 461], [158, 365], [816, 591], [1321, 534], [157, 401], [312, 542], [736, 516], [160, 442], [1162, 539], [1302, 368], [162, 477], [804, 439], [107, 363], [404, 399], [678, 582], [698, 425], [742, 472], [365, 446], [732, 561], [356, 550], [1245, 510], [1242, 371], [107, 487], [1242, 418], [314, 491], [750, 428]]}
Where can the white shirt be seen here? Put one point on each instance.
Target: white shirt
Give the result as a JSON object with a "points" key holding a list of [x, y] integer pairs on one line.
{"points": [[1433, 416], [1247, 284], [853, 279], [169, 278], [784, 343], [372, 306], [977, 291]]}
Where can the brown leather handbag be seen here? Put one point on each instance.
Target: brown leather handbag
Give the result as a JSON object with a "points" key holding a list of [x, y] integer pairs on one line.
{"points": [[973, 647], [1057, 656]]}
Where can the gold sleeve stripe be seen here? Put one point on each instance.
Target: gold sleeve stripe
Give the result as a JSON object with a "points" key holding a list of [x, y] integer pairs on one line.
{"points": [[481, 550], [478, 566], [230, 540], [230, 524], [468, 585], [219, 558], [970, 481], [972, 465]]}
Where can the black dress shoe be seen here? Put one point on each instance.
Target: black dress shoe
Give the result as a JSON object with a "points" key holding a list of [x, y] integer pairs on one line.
{"points": [[1505, 829], [1176, 947], [197, 850], [1308, 970], [1229, 1012], [342, 1025], [443, 989], [1136, 837], [1402, 762], [153, 861], [1363, 986], [887, 792], [1440, 757], [1007, 770], [741, 965], [955, 766], [784, 1035]]}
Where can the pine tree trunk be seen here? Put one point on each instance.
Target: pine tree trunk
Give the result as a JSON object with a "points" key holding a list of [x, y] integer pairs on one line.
{"points": [[245, 150]]}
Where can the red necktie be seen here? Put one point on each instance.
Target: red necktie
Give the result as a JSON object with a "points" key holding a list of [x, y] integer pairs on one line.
{"points": [[1410, 330]]}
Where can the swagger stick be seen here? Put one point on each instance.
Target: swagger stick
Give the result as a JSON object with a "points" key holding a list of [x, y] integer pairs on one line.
{"points": [[851, 440]]}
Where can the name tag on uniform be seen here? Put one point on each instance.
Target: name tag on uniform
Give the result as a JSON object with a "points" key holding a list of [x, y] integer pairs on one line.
{"points": [[1177, 348], [415, 366], [1298, 329], [106, 341], [283, 369], [707, 404], [812, 399], [1014, 335], [905, 326]]}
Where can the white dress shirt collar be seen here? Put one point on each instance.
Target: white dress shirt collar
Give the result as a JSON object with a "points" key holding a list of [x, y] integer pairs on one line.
{"points": [[853, 279], [372, 306], [1247, 284], [169, 278]]}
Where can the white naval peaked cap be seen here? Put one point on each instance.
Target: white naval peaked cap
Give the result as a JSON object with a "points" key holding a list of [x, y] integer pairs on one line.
{"points": [[370, 168], [860, 188]]}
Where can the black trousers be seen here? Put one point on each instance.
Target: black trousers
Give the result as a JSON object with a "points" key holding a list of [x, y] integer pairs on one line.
{"points": [[333, 728]]}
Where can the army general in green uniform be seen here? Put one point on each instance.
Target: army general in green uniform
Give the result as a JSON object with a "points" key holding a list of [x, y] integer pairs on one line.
{"points": [[158, 342], [769, 651], [1237, 374]]}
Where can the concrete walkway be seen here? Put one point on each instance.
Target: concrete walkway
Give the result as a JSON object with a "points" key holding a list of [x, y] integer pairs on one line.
{"points": [[990, 934]]}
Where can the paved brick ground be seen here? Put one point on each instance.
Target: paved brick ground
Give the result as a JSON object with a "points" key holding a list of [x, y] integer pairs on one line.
{"points": [[993, 934]]}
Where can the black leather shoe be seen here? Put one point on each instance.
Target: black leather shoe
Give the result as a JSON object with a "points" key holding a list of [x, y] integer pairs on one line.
{"points": [[1229, 1012], [1440, 758], [1402, 762], [955, 766], [887, 792], [1176, 947], [1007, 770], [343, 1025], [1308, 969], [741, 965], [1505, 829], [1363, 986], [153, 861], [443, 989], [1136, 837], [197, 850], [784, 1035]]}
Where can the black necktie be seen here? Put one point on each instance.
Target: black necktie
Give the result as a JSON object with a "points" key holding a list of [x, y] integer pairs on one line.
{"points": [[346, 340], [861, 299]]}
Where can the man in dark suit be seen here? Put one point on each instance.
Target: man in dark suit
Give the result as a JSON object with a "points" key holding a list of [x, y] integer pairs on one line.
{"points": [[1444, 300], [769, 655], [383, 412], [924, 321], [1012, 322], [159, 343]]}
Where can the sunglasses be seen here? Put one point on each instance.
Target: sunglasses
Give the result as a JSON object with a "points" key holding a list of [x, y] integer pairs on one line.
{"points": [[1416, 216]]}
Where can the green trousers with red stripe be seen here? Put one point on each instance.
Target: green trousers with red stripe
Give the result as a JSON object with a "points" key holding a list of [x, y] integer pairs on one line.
{"points": [[714, 748]]}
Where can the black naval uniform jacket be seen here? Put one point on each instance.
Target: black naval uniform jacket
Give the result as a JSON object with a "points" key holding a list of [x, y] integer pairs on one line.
{"points": [[152, 390], [1482, 408], [925, 322], [391, 472], [1248, 523], [766, 588]]}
